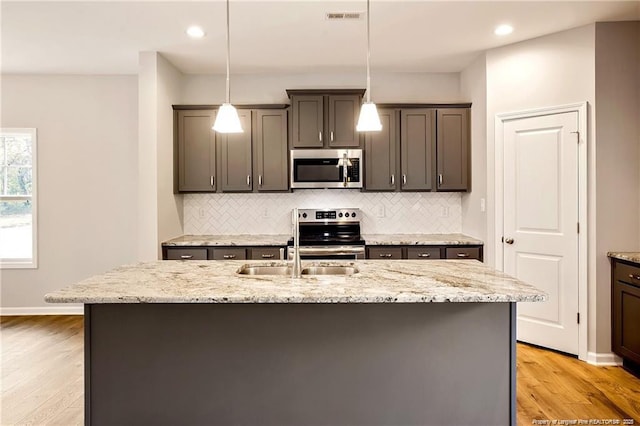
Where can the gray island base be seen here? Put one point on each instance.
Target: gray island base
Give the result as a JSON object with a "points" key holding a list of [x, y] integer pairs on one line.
{"points": [[302, 363]]}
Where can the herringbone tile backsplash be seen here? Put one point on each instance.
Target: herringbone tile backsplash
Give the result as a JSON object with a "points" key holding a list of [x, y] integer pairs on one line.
{"points": [[383, 212]]}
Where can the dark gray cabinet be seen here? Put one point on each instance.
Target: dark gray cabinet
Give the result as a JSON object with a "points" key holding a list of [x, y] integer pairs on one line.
{"points": [[425, 252], [228, 253], [463, 253], [270, 150], [325, 118], [381, 154], [235, 157], [384, 252], [267, 253], [184, 253], [452, 149], [417, 149], [625, 312], [195, 159]]}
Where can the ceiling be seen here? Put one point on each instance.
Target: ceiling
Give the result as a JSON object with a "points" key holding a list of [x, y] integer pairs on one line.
{"points": [[105, 37]]}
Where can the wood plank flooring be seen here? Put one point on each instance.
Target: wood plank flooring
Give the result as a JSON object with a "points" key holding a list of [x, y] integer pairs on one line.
{"points": [[42, 379]]}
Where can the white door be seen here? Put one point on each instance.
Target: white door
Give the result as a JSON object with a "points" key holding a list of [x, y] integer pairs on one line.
{"points": [[540, 224]]}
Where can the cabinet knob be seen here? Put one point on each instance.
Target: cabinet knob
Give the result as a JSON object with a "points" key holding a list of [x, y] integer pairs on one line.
{"points": [[186, 256], [424, 255], [463, 255], [229, 256], [634, 277], [386, 255], [267, 256]]}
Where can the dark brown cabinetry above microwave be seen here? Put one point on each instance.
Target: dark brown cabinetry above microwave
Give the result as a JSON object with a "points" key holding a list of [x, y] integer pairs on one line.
{"points": [[420, 148], [252, 161], [325, 118]]}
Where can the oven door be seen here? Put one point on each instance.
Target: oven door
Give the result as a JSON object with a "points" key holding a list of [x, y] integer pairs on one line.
{"points": [[328, 252]]}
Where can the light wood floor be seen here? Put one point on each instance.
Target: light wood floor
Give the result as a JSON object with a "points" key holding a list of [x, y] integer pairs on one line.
{"points": [[42, 379]]}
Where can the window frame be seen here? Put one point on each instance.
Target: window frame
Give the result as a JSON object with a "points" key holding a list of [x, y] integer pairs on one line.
{"points": [[27, 263]]}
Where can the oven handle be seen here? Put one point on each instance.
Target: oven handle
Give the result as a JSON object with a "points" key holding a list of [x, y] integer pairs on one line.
{"points": [[316, 251]]}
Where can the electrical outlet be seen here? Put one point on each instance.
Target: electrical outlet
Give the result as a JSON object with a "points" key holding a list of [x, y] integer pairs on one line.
{"points": [[444, 212], [483, 205], [266, 213], [201, 213], [380, 211]]}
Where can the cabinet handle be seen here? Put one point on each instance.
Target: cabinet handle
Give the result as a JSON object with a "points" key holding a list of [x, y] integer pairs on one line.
{"points": [[229, 256], [634, 277], [440, 179], [465, 255], [186, 256], [332, 136], [404, 179], [211, 181], [393, 180], [387, 255], [248, 180], [320, 136], [267, 256], [424, 255], [260, 180]]}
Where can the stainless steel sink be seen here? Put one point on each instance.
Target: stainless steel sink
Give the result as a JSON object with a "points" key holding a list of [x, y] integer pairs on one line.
{"points": [[329, 270], [286, 270]]}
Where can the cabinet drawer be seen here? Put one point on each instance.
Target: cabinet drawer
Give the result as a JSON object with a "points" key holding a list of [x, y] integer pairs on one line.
{"points": [[186, 254], [229, 254], [267, 253], [423, 253], [463, 253], [384, 253], [628, 274], [626, 320]]}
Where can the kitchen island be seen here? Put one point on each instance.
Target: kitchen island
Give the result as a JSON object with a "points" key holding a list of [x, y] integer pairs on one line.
{"points": [[397, 342]]}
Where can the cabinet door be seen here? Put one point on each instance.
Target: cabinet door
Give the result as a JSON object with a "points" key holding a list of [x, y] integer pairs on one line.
{"points": [[452, 149], [196, 154], [384, 253], [380, 154], [227, 253], [267, 253], [626, 320], [308, 121], [463, 253], [270, 149], [417, 149], [235, 157], [343, 118]]}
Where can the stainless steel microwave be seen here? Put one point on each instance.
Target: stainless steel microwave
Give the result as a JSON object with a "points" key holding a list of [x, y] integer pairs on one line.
{"points": [[326, 168]]}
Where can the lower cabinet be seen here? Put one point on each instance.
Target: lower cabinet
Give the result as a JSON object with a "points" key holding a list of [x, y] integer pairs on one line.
{"points": [[224, 253], [267, 253], [181, 253], [229, 253], [425, 252], [625, 311]]}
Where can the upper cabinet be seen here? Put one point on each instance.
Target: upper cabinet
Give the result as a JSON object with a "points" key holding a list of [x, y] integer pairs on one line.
{"points": [[255, 160], [325, 118], [452, 149], [195, 151], [418, 149]]}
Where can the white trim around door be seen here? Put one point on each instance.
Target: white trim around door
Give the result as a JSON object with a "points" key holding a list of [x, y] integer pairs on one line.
{"points": [[500, 119]]}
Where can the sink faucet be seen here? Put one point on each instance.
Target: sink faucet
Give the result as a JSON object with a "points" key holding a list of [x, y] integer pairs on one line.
{"points": [[297, 267]]}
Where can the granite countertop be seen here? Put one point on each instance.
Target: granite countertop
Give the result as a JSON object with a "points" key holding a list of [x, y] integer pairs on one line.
{"points": [[420, 239], [281, 240], [229, 240], [378, 281], [628, 256]]}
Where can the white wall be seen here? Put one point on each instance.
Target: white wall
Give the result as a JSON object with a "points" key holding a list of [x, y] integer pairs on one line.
{"points": [[87, 179], [473, 86], [617, 72], [242, 213], [159, 211]]}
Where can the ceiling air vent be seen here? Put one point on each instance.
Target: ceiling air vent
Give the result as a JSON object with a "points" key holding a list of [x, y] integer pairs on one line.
{"points": [[341, 16]]}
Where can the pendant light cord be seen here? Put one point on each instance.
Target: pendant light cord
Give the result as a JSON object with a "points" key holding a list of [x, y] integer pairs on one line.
{"points": [[368, 53], [228, 49]]}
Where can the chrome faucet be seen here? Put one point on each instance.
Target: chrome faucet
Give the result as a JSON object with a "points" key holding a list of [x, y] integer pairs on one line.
{"points": [[297, 266]]}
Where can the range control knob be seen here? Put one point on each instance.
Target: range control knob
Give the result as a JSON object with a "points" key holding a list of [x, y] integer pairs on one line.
{"points": [[353, 214], [346, 214], [339, 214], [304, 215]]}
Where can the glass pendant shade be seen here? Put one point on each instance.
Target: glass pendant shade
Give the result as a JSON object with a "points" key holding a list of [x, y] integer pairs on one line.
{"points": [[369, 120], [227, 120]]}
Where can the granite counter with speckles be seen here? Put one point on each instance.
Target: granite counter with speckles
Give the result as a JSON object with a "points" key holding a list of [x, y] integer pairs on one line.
{"points": [[628, 256], [420, 239], [378, 281], [228, 240]]}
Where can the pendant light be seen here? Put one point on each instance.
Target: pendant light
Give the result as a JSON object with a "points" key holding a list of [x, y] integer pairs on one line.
{"points": [[227, 120], [369, 120]]}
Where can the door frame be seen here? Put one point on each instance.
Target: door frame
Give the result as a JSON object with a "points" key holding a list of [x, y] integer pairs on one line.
{"points": [[500, 119]]}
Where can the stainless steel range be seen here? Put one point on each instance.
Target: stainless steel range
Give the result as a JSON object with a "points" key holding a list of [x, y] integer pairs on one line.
{"points": [[329, 234]]}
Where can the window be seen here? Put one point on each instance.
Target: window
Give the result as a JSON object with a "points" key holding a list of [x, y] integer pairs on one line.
{"points": [[18, 198]]}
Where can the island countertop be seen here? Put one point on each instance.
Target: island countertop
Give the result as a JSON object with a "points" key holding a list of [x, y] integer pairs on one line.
{"points": [[378, 281], [626, 255]]}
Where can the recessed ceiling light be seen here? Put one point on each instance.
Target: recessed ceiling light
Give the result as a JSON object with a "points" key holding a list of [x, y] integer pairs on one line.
{"points": [[195, 32], [503, 30]]}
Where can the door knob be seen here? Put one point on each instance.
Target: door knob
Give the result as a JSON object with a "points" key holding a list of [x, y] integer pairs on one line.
{"points": [[508, 240]]}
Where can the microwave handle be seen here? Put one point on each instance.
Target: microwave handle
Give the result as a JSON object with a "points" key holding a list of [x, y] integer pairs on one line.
{"points": [[345, 169]]}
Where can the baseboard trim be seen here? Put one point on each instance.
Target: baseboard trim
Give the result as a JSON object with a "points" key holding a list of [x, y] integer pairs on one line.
{"points": [[603, 359], [47, 310]]}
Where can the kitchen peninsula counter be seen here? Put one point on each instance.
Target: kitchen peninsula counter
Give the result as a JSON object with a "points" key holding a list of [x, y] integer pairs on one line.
{"points": [[191, 342]]}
